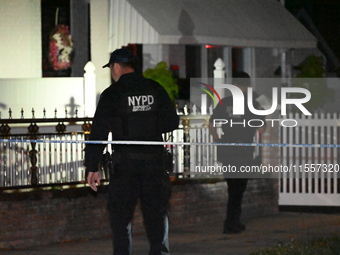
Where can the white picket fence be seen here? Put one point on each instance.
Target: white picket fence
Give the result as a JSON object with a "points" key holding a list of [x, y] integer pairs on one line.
{"points": [[313, 179]]}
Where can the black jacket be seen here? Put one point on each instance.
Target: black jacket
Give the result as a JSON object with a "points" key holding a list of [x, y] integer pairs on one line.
{"points": [[236, 130], [134, 108]]}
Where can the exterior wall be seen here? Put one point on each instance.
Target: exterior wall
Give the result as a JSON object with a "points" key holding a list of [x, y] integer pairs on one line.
{"points": [[153, 54], [100, 53], [35, 93], [80, 34], [177, 57], [171, 54], [128, 26], [266, 62], [20, 33], [45, 217], [28, 94]]}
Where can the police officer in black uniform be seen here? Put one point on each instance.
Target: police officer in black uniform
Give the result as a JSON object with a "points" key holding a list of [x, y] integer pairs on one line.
{"points": [[235, 156], [137, 109]]}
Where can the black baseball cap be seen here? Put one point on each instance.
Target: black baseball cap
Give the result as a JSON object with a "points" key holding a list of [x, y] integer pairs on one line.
{"points": [[120, 56]]}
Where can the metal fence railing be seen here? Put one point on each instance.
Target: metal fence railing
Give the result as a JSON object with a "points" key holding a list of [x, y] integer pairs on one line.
{"points": [[25, 163], [34, 151], [57, 157]]}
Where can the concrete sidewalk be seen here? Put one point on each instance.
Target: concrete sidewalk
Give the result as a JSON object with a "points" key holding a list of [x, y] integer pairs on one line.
{"points": [[208, 238]]}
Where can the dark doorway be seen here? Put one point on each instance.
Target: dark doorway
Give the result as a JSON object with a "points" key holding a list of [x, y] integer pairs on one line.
{"points": [[65, 37]]}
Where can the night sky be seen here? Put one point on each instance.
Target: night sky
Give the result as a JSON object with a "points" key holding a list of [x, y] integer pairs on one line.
{"points": [[326, 17]]}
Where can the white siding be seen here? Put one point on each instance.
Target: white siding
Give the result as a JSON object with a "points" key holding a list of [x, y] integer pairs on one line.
{"points": [[20, 33], [128, 26], [99, 42], [41, 93]]}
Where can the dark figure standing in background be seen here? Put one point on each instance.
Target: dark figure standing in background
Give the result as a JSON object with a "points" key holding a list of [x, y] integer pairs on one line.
{"points": [[133, 108], [235, 155]]}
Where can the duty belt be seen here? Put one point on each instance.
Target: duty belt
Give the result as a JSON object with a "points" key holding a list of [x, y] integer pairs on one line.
{"points": [[141, 156]]}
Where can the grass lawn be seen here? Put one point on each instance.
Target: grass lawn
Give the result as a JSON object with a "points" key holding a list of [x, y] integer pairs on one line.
{"points": [[319, 246]]}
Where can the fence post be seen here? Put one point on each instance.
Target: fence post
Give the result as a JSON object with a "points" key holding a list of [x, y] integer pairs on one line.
{"points": [[219, 76], [89, 90]]}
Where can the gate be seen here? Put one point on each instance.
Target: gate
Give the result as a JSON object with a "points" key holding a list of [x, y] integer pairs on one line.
{"points": [[313, 176]]}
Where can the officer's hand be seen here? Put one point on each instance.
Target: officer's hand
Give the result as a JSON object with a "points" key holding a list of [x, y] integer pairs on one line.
{"points": [[218, 140], [93, 180]]}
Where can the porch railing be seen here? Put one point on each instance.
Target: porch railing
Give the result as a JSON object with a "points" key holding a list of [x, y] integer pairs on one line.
{"points": [[26, 162], [50, 151]]}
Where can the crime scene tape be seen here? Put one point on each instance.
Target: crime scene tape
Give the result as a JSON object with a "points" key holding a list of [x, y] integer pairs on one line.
{"points": [[169, 143]]}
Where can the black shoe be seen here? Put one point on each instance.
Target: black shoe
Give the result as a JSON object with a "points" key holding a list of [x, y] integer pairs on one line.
{"points": [[232, 229], [240, 226]]}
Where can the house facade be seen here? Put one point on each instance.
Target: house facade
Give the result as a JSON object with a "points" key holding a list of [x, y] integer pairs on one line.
{"points": [[257, 37]]}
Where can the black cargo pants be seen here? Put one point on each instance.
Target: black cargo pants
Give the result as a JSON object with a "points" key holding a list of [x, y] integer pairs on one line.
{"points": [[237, 182], [144, 179]]}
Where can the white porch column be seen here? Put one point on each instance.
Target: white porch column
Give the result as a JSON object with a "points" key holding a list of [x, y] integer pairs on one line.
{"points": [[89, 90], [286, 68], [249, 65], [219, 76], [153, 54], [227, 54]]}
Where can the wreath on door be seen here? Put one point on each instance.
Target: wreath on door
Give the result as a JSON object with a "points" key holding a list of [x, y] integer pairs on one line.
{"points": [[60, 47]]}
